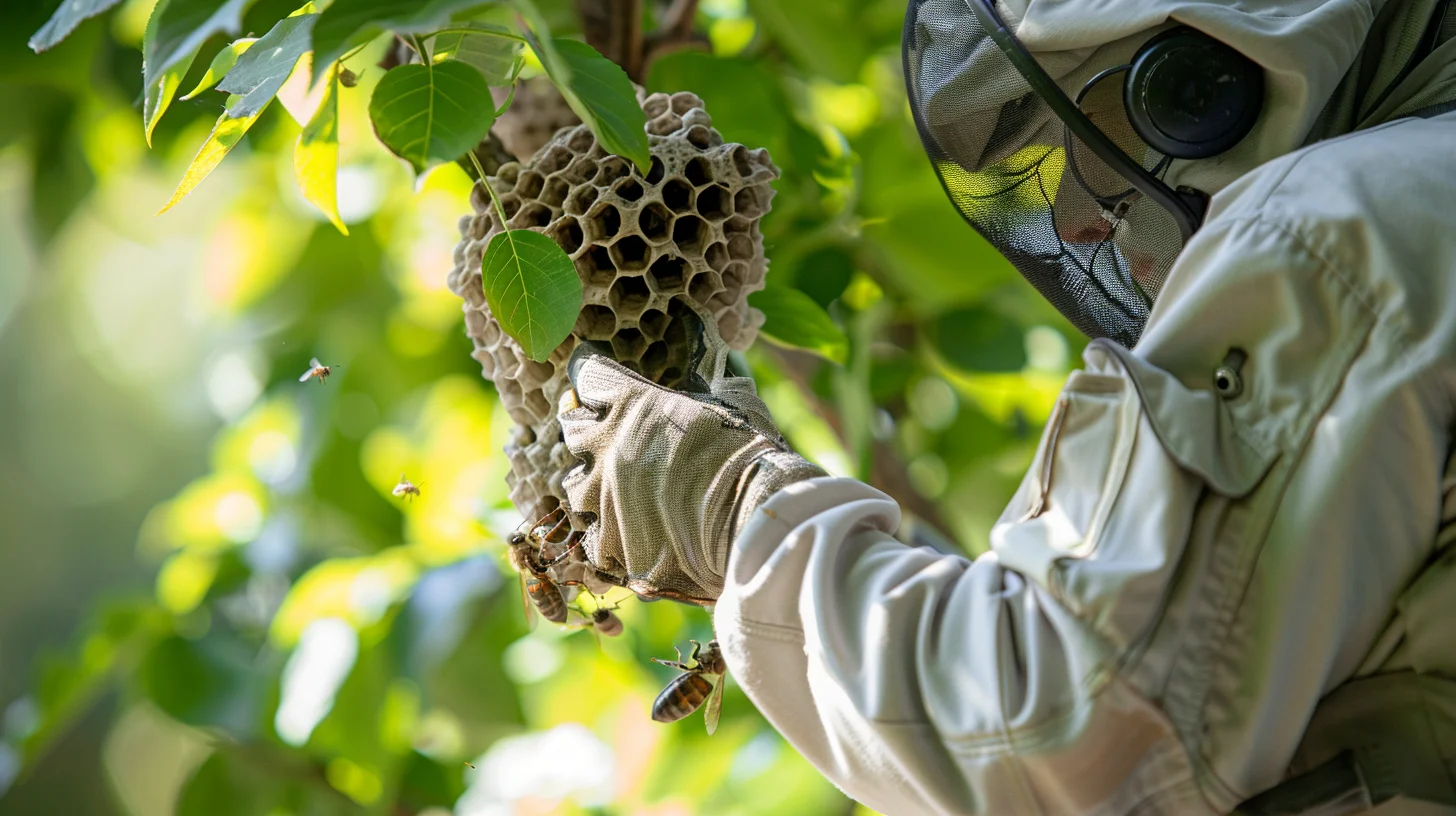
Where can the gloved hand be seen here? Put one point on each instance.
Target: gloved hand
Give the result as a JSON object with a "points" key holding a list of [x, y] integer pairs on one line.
{"points": [[668, 478]]}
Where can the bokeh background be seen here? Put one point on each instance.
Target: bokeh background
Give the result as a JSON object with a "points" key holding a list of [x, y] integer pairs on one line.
{"points": [[209, 600]]}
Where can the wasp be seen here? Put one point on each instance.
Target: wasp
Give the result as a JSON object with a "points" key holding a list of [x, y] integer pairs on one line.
{"points": [[316, 369], [406, 488], [539, 588], [702, 681]]}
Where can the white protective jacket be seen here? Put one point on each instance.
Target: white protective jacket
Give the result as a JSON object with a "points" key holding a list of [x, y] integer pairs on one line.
{"points": [[1192, 596]]}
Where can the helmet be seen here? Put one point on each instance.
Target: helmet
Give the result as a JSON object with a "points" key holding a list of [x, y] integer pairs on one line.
{"points": [[1062, 165]]}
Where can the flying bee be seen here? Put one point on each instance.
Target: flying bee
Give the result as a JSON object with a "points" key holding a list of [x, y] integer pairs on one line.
{"points": [[317, 369], [702, 681], [406, 488], [539, 588], [603, 619], [606, 622]]}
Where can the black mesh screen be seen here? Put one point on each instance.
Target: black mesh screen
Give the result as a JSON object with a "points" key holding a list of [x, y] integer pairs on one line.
{"points": [[1098, 250]]}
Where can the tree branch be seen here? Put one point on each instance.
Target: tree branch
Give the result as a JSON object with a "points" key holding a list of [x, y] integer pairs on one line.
{"points": [[614, 27]]}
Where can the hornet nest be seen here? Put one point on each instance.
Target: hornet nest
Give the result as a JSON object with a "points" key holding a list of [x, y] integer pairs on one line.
{"points": [[652, 250]]}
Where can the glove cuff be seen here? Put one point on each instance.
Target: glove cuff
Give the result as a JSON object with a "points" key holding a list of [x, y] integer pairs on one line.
{"points": [[767, 475]]}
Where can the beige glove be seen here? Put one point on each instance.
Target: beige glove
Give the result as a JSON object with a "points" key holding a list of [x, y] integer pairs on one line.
{"points": [[668, 478]]}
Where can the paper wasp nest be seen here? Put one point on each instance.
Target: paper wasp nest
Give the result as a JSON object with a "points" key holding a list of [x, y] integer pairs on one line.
{"points": [[647, 248]]}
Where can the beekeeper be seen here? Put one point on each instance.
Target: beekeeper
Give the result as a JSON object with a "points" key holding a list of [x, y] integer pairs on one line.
{"points": [[1225, 584]]}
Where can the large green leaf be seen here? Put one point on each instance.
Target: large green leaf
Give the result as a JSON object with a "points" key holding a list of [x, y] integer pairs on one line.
{"points": [[348, 23], [316, 158], [794, 319], [224, 137], [261, 71], [429, 114], [176, 29], [975, 338], [532, 288], [70, 14], [221, 64], [492, 49], [602, 95]]}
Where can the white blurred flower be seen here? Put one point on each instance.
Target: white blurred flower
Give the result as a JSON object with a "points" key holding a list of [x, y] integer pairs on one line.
{"points": [[568, 761], [313, 675]]}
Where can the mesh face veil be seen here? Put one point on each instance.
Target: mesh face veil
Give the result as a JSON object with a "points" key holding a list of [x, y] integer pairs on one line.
{"points": [[1063, 186]]}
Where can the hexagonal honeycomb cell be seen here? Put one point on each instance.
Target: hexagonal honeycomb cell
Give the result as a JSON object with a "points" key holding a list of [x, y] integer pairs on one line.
{"points": [[651, 250]]}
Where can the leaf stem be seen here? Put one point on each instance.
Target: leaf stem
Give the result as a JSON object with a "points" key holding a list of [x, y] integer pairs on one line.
{"points": [[484, 32], [500, 210], [352, 53], [516, 69]]}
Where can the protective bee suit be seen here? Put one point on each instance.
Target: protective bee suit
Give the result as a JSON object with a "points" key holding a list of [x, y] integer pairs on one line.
{"points": [[1226, 583]]}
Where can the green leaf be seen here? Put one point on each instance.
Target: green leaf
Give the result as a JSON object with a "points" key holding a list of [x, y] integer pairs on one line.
{"points": [[216, 681], [348, 23], [176, 29], [824, 274], [253, 779], [975, 338], [538, 34], [794, 319], [70, 14], [159, 94], [931, 256], [757, 119], [224, 137], [426, 783], [61, 178], [221, 64], [262, 71], [316, 157], [428, 114], [602, 95], [824, 37], [493, 50], [66, 685], [532, 288], [223, 786]]}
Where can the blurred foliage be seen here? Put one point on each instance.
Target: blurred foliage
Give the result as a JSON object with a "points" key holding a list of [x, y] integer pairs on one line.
{"points": [[296, 640]]}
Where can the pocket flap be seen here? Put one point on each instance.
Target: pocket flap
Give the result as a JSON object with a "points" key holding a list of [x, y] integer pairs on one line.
{"points": [[1195, 427]]}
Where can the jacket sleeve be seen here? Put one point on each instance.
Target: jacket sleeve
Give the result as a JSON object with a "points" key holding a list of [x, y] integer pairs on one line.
{"points": [[921, 682]]}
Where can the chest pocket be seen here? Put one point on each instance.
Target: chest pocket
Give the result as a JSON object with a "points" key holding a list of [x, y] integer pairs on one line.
{"points": [[1105, 511]]}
